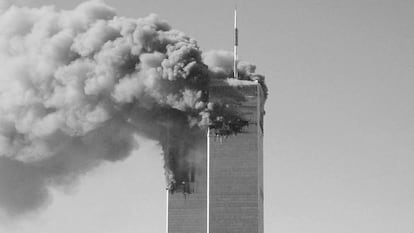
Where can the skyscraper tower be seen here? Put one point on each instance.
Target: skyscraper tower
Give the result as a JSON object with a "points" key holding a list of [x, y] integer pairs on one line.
{"points": [[227, 192], [235, 178], [224, 189]]}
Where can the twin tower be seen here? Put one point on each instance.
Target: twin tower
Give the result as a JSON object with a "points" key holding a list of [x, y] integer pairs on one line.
{"points": [[226, 193]]}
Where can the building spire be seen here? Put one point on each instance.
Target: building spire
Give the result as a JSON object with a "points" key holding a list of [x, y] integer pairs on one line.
{"points": [[236, 43]]}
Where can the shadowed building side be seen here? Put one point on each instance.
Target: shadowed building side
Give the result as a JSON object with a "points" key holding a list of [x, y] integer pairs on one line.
{"points": [[187, 204]]}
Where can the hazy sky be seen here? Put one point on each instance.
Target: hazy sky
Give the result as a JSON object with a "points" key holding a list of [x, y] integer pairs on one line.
{"points": [[339, 126]]}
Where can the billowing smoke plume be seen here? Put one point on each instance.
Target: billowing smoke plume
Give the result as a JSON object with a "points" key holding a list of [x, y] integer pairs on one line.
{"points": [[75, 86], [220, 65]]}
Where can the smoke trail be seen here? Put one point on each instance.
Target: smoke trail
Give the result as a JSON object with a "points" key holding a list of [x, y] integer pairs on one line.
{"points": [[77, 85]]}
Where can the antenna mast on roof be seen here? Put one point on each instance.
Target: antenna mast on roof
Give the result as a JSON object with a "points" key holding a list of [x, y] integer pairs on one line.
{"points": [[236, 43]]}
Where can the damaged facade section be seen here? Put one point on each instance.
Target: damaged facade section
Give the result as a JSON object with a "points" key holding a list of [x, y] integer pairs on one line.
{"points": [[224, 120]]}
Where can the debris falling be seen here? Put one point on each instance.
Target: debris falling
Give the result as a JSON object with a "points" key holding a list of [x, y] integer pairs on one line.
{"points": [[77, 85]]}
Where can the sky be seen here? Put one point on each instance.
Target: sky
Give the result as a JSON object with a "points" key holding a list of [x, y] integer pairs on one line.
{"points": [[339, 124]]}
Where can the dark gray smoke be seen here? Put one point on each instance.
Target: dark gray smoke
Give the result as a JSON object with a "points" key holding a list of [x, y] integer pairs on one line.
{"points": [[75, 86]]}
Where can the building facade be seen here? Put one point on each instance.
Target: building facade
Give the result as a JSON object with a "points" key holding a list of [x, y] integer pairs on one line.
{"points": [[227, 191]]}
